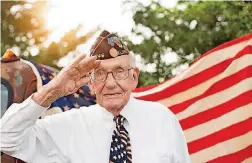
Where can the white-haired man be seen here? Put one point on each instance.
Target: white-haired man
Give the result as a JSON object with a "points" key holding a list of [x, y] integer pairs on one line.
{"points": [[118, 129]]}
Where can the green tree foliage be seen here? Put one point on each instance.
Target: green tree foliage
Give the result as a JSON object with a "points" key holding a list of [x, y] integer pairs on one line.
{"points": [[23, 25], [189, 29]]}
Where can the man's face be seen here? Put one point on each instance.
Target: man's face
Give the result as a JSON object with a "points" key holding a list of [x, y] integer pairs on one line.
{"points": [[114, 94]]}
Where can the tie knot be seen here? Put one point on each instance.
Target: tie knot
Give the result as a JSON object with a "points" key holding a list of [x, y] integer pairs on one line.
{"points": [[119, 120]]}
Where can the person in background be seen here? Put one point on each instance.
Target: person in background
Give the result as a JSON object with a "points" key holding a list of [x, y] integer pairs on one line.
{"points": [[118, 129]]}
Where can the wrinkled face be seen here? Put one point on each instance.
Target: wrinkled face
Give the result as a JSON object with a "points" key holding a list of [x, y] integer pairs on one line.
{"points": [[114, 94]]}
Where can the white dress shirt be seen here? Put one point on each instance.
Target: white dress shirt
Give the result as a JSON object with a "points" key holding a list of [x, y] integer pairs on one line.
{"points": [[84, 135]]}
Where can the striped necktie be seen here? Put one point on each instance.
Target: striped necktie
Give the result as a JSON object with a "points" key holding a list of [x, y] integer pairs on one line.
{"points": [[120, 150]]}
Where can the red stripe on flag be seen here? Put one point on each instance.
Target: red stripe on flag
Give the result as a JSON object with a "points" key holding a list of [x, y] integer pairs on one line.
{"points": [[230, 132], [236, 157], [217, 111], [142, 89], [215, 88], [195, 79]]}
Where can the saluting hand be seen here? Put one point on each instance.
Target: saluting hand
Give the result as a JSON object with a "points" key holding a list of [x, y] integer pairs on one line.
{"points": [[67, 81], [70, 78]]}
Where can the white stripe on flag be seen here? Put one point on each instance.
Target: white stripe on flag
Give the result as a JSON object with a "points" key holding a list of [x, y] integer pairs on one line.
{"points": [[216, 99], [234, 67], [230, 118], [222, 148], [248, 160]]}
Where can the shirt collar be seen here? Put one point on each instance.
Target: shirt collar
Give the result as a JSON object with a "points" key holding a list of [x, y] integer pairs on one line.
{"points": [[127, 111]]}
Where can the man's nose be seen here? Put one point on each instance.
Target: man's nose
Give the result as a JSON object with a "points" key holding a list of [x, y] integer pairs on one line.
{"points": [[110, 81]]}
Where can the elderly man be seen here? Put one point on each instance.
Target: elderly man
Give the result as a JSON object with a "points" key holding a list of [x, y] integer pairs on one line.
{"points": [[118, 129]]}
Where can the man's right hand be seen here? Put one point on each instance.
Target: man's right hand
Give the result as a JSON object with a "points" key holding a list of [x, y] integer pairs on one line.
{"points": [[67, 81]]}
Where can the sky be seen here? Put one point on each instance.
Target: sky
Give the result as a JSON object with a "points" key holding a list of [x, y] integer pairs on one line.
{"points": [[111, 15]]}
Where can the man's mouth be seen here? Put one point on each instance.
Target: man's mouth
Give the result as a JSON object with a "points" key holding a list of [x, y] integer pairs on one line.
{"points": [[112, 95]]}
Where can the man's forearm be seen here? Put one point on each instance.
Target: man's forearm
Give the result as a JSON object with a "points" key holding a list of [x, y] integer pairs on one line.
{"points": [[47, 95]]}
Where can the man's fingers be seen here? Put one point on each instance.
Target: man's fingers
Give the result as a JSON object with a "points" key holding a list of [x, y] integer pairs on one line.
{"points": [[87, 61], [95, 64], [79, 58], [89, 64], [82, 82]]}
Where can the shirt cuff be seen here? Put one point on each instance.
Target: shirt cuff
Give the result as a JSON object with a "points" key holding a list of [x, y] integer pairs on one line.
{"points": [[33, 110]]}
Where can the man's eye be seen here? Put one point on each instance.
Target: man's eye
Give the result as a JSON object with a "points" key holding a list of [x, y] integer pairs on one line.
{"points": [[120, 70]]}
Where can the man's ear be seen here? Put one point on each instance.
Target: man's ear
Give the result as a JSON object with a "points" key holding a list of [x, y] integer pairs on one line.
{"points": [[135, 77], [90, 85]]}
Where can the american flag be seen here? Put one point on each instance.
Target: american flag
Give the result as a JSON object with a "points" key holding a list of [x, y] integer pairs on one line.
{"points": [[212, 99]]}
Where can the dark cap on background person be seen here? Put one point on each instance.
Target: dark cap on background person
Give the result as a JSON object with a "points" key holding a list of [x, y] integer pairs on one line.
{"points": [[107, 46]]}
